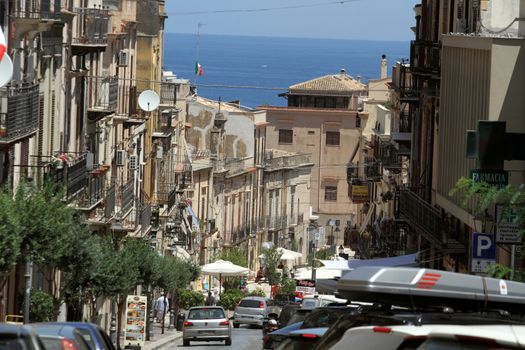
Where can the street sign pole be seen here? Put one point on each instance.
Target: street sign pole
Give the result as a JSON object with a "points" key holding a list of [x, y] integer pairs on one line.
{"points": [[512, 260]]}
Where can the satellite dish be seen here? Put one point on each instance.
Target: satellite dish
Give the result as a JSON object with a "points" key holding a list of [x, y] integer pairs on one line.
{"points": [[149, 100], [6, 70]]}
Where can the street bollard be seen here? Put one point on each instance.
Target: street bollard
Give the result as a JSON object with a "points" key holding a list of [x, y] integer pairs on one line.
{"points": [[172, 319], [150, 324], [113, 330]]}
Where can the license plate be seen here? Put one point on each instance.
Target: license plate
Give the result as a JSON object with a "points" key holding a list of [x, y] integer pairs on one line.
{"points": [[206, 332]]}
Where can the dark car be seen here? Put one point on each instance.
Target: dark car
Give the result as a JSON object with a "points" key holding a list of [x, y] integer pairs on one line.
{"points": [[13, 337], [321, 317], [60, 337], [299, 316], [95, 336], [302, 339], [286, 314], [273, 339]]}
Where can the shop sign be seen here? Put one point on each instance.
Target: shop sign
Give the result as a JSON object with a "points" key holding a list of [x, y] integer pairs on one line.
{"points": [[306, 287], [359, 193]]}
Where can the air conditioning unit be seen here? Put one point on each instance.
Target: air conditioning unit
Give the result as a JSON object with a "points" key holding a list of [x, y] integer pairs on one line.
{"points": [[120, 158], [123, 58], [160, 152], [132, 164]]}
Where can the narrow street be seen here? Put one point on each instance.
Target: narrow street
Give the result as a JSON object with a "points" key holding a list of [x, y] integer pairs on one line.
{"points": [[242, 338]]}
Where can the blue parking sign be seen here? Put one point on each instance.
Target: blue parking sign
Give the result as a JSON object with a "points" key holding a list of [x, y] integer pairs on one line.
{"points": [[483, 253]]}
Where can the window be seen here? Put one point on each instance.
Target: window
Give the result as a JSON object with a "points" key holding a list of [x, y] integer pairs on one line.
{"points": [[330, 193], [311, 132], [332, 138], [285, 136]]}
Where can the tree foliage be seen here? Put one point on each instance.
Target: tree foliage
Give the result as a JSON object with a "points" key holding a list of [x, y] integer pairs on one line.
{"points": [[234, 255], [10, 236], [271, 257]]}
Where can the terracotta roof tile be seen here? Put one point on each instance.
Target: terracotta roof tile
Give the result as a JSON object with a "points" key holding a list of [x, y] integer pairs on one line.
{"points": [[330, 83]]}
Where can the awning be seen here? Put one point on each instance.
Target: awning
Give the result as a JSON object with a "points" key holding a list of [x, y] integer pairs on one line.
{"points": [[195, 219], [367, 219], [403, 260]]}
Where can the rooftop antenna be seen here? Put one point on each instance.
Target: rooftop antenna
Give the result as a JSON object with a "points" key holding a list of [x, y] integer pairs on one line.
{"points": [[197, 49]]}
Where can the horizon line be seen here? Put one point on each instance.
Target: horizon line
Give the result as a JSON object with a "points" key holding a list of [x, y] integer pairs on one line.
{"points": [[292, 37]]}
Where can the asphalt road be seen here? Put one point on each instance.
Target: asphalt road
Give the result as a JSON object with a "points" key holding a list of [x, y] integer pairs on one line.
{"points": [[242, 338]]}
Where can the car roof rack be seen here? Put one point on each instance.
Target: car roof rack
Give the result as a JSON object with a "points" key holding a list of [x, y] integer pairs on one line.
{"points": [[419, 287]]}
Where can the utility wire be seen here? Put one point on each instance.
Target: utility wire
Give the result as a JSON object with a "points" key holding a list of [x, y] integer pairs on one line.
{"points": [[264, 9]]}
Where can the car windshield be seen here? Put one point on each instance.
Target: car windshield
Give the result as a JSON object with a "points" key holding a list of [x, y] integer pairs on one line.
{"points": [[52, 343], [250, 303], [206, 314], [299, 316], [87, 337], [322, 318], [310, 303], [286, 314], [11, 342]]}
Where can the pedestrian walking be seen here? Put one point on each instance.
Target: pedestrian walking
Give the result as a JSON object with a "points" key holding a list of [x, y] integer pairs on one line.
{"points": [[210, 300]]}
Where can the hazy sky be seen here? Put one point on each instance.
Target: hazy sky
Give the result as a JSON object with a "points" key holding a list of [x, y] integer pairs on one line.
{"points": [[357, 19]]}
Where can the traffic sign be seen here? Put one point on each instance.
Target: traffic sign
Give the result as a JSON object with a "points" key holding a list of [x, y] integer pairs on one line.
{"points": [[507, 227], [483, 252]]}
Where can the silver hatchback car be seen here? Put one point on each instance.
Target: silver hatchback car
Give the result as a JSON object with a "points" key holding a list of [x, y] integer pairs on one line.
{"points": [[207, 323], [253, 311]]}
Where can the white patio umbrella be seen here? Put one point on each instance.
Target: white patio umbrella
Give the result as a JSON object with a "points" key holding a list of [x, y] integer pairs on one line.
{"points": [[286, 254], [223, 268]]}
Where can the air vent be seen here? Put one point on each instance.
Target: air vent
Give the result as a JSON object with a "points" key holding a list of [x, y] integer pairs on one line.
{"points": [[132, 162], [120, 158], [123, 58]]}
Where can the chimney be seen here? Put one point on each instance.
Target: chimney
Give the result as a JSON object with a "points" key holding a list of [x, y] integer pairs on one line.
{"points": [[358, 79], [342, 71], [383, 67]]}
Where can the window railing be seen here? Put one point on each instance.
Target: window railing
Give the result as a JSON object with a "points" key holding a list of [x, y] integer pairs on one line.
{"points": [[288, 161], [92, 26], [37, 9], [103, 93], [22, 109]]}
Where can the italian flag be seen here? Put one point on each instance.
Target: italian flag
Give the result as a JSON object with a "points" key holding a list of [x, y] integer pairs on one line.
{"points": [[198, 69], [3, 44]]}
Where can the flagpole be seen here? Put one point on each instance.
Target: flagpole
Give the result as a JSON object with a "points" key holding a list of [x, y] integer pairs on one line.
{"points": [[199, 25]]}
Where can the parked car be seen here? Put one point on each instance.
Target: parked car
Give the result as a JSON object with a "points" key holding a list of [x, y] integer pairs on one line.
{"points": [[207, 323], [252, 311], [14, 337], [60, 337], [313, 301], [287, 312], [274, 339], [298, 316], [94, 335], [302, 339]]}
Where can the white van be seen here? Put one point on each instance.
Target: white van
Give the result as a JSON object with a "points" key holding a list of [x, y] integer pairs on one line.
{"points": [[313, 301]]}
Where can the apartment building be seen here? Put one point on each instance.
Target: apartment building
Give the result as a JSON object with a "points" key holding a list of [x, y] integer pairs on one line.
{"points": [[70, 113], [322, 119], [464, 67]]}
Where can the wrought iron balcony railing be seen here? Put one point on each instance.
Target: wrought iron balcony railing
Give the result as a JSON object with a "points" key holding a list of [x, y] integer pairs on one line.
{"points": [[37, 9], [168, 94], [19, 111], [288, 161], [425, 57], [92, 26], [103, 94], [145, 217], [239, 166], [163, 194], [422, 216], [126, 196]]}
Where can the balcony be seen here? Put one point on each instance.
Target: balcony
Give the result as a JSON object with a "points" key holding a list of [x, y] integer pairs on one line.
{"points": [[91, 30], [103, 96], [145, 218], [37, 10], [163, 128], [125, 198], [425, 58], [162, 196], [422, 216], [239, 166], [19, 111], [168, 94], [288, 162]]}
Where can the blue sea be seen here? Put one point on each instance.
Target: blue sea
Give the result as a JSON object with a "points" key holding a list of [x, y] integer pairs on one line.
{"points": [[271, 64]]}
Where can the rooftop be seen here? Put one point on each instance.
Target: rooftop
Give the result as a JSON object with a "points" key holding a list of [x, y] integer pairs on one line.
{"points": [[341, 82]]}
